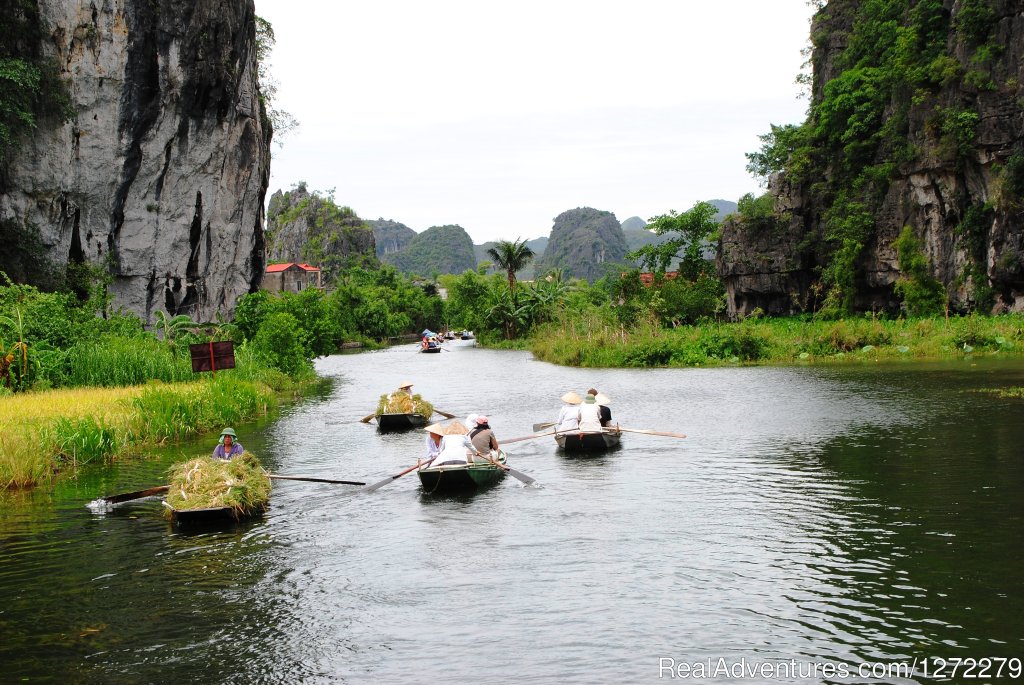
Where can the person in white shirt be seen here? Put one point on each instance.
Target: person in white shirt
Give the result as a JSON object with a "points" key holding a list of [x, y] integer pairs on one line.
{"points": [[590, 415], [569, 415], [456, 447]]}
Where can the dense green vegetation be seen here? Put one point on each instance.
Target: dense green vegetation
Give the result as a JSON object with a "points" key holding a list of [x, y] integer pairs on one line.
{"points": [[598, 340]]}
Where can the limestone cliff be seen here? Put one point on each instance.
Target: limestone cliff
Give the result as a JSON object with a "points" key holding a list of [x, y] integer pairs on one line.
{"points": [[161, 174], [309, 227], [585, 243], [916, 120], [390, 236], [441, 249]]}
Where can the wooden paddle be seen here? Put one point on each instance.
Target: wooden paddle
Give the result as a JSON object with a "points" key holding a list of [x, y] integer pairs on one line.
{"points": [[311, 479], [516, 474], [533, 437], [367, 418], [375, 486], [644, 432], [139, 494], [444, 414], [542, 426]]}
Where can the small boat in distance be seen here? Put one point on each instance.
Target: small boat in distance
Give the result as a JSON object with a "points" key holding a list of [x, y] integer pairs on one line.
{"points": [[466, 335], [588, 441], [449, 478], [400, 422]]}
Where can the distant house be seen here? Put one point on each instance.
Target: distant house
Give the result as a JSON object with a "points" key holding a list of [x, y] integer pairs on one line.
{"points": [[647, 278], [291, 278]]}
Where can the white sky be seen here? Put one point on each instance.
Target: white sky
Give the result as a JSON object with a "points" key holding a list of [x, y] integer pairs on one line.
{"points": [[500, 116]]}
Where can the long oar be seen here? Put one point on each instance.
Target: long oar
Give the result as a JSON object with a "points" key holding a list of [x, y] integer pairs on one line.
{"points": [[516, 474], [445, 414], [644, 432], [311, 479], [367, 418], [375, 486], [534, 437], [542, 426], [138, 494]]}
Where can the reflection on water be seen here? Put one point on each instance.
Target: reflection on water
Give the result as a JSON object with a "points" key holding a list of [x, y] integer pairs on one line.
{"points": [[850, 515]]}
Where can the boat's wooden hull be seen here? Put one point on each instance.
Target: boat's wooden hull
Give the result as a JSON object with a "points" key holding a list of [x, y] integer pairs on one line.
{"points": [[400, 422], [461, 478], [588, 442], [430, 350], [209, 514]]}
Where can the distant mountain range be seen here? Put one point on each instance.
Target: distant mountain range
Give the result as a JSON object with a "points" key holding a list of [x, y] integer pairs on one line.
{"points": [[584, 243]]}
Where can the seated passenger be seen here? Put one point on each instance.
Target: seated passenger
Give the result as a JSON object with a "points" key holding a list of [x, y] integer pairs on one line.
{"points": [[590, 415], [482, 436], [569, 416]]}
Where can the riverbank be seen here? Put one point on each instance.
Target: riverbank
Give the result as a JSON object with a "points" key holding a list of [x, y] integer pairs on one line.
{"points": [[46, 433], [592, 342]]}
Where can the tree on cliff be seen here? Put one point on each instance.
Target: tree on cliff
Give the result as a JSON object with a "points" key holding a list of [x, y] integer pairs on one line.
{"points": [[512, 256], [689, 234]]}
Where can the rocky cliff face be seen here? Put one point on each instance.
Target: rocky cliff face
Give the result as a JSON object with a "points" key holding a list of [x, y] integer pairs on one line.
{"points": [[390, 236], [162, 173], [585, 243], [947, 158], [310, 227]]}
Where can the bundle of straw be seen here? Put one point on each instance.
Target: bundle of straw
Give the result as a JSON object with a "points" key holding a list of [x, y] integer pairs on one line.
{"points": [[241, 484], [403, 403]]}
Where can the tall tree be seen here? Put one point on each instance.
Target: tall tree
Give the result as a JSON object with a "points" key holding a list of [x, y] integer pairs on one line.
{"points": [[512, 257], [691, 232]]}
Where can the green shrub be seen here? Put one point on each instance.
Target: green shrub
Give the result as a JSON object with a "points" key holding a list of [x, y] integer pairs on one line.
{"points": [[279, 345], [922, 293]]}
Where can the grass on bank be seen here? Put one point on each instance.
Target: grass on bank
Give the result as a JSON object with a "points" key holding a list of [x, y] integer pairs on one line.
{"points": [[592, 341], [43, 433]]}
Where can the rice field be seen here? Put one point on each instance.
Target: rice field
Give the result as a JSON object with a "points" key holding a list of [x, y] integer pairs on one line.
{"points": [[48, 432]]}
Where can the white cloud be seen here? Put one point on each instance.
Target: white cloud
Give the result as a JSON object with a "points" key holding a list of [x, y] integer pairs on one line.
{"points": [[499, 116]]}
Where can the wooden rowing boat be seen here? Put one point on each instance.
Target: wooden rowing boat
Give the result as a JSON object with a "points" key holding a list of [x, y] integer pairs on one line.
{"points": [[210, 514], [429, 349], [400, 422], [588, 441], [461, 477]]}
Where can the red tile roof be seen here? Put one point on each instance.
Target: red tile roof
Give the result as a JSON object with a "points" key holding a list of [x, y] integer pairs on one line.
{"points": [[276, 268]]}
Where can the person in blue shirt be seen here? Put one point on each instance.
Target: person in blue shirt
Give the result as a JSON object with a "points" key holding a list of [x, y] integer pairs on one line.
{"points": [[228, 448]]}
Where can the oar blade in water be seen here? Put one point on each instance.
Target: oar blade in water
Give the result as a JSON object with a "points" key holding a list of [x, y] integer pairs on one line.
{"points": [[138, 494]]}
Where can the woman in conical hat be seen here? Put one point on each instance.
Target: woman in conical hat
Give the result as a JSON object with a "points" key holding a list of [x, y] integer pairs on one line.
{"points": [[434, 434], [569, 415], [456, 447]]}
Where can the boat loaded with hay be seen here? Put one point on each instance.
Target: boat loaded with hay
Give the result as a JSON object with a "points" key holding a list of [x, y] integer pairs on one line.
{"points": [[205, 488], [401, 411]]}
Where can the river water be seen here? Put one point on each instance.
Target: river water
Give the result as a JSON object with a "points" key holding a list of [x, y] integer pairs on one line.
{"points": [[815, 518]]}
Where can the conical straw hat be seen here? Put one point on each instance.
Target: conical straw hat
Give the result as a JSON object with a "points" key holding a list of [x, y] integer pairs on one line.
{"points": [[456, 428], [571, 398], [436, 429], [602, 398]]}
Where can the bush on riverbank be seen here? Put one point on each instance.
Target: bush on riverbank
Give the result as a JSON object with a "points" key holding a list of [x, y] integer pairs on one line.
{"points": [[596, 341], [43, 433]]}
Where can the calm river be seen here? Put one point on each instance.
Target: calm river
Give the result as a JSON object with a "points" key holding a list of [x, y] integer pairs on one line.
{"points": [[816, 518]]}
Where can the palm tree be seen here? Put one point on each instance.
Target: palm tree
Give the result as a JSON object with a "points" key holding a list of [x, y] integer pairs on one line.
{"points": [[512, 257]]}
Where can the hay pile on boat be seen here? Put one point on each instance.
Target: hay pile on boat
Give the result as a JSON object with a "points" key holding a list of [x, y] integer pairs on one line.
{"points": [[205, 482], [403, 403]]}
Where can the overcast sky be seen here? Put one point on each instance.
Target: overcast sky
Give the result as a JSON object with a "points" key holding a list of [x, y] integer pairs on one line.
{"points": [[498, 116]]}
